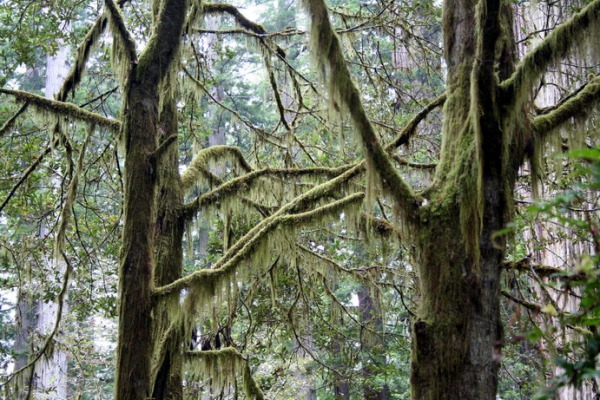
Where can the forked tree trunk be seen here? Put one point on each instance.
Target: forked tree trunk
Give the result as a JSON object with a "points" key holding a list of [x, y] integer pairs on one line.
{"points": [[457, 335]]}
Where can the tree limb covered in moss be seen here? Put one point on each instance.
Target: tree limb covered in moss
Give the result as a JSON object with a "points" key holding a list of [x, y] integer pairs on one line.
{"points": [[212, 154], [63, 108], [525, 265], [583, 27], [579, 106], [229, 355], [123, 37], [403, 161], [247, 245], [411, 127], [329, 56], [234, 186], [84, 51]]}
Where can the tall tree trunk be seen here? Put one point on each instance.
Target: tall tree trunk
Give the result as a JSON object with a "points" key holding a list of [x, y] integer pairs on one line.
{"points": [[51, 372], [458, 329], [141, 135], [374, 345]]}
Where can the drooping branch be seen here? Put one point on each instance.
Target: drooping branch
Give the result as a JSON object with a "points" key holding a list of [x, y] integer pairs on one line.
{"points": [[240, 19], [329, 56], [83, 54], [579, 106], [247, 245], [122, 35], [59, 254], [583, 28], [225, 361], [62, 108]]}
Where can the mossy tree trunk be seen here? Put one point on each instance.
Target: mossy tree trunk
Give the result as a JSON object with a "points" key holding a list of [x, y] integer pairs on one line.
{"points": [[458, 332], [142, 130]]}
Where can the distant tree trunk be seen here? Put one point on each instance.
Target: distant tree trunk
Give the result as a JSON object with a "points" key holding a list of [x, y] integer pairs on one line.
{"points": [[51, 373], [373, 344]]}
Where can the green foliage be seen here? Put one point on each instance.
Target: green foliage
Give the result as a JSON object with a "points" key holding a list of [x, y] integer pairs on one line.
{"points": [[578, 355]]}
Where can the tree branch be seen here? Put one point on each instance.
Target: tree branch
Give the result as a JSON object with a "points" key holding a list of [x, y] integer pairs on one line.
{"points": [[247, 245], [224, 359], [83, 54], [11, 121], [123, 37], [243, 182], [63, 108], [579, 106], [581, 28], [328, 52]]}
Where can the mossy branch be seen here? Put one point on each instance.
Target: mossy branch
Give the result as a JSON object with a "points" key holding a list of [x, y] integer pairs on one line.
{"points": [[525, 265], [83, 54], [240, 19], [121, 31], [62, 108], [247, 245], [583, 27], [212, 154], [230, 355], [328, 53], [577, 107], [244, 182], [410, 128]]}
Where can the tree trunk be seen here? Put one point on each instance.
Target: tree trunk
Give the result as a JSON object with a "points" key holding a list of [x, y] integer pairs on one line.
{"points": [[168, 331], [457, 335], [140, 133]]}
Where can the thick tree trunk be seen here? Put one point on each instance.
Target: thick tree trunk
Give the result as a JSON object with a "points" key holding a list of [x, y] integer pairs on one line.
{"points": [[458, 333]]}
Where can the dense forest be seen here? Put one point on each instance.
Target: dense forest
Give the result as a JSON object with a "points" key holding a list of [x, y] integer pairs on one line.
{"points": [[320, 200]]}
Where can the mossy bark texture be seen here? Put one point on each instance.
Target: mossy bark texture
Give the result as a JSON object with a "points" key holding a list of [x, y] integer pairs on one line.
{"points": [[141, 136]]}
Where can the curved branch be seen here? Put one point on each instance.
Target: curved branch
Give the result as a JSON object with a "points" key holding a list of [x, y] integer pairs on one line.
{"points": [[63, 108], [243, 182], [581, 28], [213, 153], [341, 87], [247, 245], [28, 172], [579, 106], [11, 121]]}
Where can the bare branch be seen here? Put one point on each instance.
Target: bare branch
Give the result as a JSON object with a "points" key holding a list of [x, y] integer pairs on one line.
{"points": [[10, 123]]}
